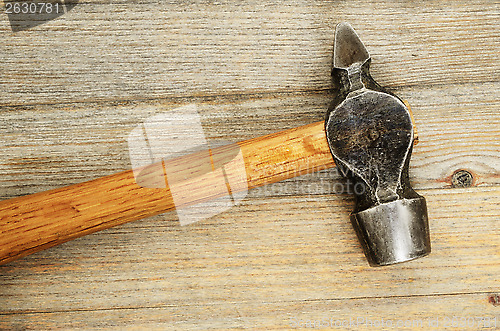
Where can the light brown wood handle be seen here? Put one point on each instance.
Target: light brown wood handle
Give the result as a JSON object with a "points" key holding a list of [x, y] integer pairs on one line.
{"points": [[35, 222]]}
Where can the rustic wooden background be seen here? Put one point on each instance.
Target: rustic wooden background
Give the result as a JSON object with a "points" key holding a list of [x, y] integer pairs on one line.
{"points": [[73, 88]]}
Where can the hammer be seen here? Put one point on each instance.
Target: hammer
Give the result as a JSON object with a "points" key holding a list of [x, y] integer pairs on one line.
{"points": [[368, 133]]}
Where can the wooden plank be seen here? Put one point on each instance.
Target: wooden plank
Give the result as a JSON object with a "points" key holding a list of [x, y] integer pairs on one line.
{"points": [[49, 146], [418, 313], [104, 50], [38, 221], [284, 256], [82, 82]]}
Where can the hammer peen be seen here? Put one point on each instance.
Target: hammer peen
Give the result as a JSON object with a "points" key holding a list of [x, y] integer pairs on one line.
{"points": [[368, 131]]}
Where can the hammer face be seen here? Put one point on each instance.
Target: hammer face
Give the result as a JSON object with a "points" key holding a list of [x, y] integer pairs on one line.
{"points": [[393, 232], [370, 135]]}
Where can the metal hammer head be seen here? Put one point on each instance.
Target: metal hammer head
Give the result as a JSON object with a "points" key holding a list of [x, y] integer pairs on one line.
{"points": [[370, 134]]}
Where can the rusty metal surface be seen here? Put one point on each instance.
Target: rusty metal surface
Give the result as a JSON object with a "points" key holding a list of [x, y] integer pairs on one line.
{"points": [[370, 135]]}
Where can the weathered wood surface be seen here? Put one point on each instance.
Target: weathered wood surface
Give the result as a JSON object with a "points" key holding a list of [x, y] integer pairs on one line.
{"points": [[73, 89], [112, 50]]}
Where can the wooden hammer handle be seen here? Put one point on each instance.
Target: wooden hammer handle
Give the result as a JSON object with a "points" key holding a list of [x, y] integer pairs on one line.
{"points": [[32, 223]]}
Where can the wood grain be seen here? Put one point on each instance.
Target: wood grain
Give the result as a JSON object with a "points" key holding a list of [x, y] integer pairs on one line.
{"points": [[419, 312], [35, 222], [297, 254], [142, 49], [50, 146], [72, 90]]}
